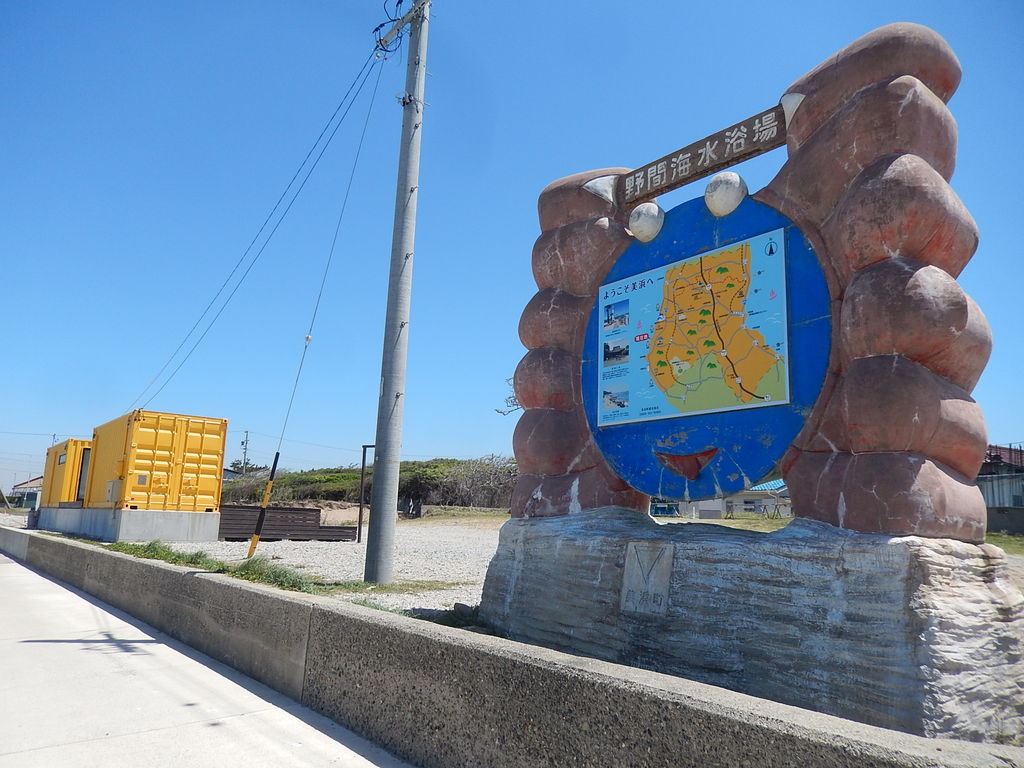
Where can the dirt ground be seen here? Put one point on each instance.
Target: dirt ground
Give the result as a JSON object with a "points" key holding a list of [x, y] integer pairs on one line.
{"points": [[347, 513]]}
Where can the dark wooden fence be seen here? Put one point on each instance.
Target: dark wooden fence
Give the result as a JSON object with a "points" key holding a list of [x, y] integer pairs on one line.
{"points": [[237, 523]]}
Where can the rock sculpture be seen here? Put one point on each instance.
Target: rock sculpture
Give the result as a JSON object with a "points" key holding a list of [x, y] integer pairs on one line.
{"points": [[871, 148], [867, 607]]}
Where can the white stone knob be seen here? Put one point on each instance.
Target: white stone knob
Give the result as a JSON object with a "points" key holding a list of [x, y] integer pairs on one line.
{"points": [[645, 221], [724, 193]]}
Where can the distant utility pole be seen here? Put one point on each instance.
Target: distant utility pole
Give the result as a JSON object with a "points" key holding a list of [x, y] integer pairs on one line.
{"points": [[245, 452], [380, 539]]}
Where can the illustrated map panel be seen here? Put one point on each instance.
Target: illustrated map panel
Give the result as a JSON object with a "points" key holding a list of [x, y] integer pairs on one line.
{"points": [[704, 334]]}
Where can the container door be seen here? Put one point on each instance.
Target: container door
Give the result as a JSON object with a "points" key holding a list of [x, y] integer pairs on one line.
{"points": [[51, 485], [154, 462], [83, 474], [190, 438], [202, 442]]}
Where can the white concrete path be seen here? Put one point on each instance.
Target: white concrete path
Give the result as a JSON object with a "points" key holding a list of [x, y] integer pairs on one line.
{"points": [[83, 684]]}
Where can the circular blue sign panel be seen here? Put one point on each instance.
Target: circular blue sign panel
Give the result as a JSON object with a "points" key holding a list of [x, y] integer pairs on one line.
{"points": [[706, 349]]}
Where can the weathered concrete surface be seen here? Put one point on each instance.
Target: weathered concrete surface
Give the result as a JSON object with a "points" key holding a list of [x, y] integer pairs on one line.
{"points": [[888, 117], [893, 493], [880, 408], [446, 697], [582, 235], [85, 685], [556, 255], [565, 201], [255, 629], [554, 495], [880, 55], [14, 542], [132, 524], [921, 635], [871, 149], [901, 205]]}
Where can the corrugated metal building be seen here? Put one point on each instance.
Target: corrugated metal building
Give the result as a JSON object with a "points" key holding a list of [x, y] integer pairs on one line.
{"points": [[1004, 497]]}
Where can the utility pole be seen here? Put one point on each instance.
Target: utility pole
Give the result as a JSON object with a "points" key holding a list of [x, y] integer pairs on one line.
{"points": [[380, 539], [362, 496], [245, 452]]}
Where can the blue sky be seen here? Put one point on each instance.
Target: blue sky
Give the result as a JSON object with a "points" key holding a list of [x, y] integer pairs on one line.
{"points": [[145, 143]]}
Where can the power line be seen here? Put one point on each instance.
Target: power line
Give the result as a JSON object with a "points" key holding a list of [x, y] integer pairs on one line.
{"points": [[305, 442], [266, 242], [395, 43], [367, 63], [330, 257]]}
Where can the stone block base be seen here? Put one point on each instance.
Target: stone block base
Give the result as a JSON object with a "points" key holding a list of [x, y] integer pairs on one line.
{"points": [[132, 524], [920, 635]]}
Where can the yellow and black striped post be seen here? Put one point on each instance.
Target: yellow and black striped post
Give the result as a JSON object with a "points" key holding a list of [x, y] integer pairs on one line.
{"points": [[263, 507]]}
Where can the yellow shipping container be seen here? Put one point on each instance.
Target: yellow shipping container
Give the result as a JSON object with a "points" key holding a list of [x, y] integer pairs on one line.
{"points": [[66, 472], [161, 461]]}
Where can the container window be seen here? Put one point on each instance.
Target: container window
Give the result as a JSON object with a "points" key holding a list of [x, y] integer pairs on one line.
{"points": [[62, 458]]}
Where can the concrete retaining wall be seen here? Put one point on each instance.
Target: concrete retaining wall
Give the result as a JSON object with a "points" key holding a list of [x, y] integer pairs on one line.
{"points": [[865, 627], [448, 698]]}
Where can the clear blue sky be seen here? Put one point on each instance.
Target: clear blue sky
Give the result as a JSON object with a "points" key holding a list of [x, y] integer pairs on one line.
{"points": [[144, 143]]}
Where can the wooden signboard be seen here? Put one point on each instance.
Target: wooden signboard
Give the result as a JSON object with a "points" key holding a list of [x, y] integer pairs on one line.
{"points": [[748, 138]]}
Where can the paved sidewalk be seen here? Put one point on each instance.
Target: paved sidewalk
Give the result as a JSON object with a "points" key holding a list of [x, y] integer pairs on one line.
{"points": [[83, 685]]}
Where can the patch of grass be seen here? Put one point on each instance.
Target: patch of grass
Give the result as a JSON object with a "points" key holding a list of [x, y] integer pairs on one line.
{"points": [[261, 570], [157, 550], [69, 537], [366, 602], [431, 512], [257, 569], [1010, 543]]}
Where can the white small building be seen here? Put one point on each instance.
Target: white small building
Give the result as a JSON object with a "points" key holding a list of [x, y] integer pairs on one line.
{"points": [[28, 493], [1004, 498], [768, 499]]}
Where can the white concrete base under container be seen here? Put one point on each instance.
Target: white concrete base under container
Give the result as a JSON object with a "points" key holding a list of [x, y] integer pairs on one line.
{"points": [[132, 524]]}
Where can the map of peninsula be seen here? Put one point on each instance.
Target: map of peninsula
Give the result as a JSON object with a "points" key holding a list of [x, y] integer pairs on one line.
{"points": [[704, 355], [699, 334]]}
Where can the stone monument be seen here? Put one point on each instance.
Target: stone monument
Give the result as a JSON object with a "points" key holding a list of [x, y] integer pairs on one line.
{"points": [[814, 329]]}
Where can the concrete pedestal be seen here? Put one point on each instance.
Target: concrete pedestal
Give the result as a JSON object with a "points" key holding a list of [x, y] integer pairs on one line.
{"points": [[920, 635], [132, 524]]}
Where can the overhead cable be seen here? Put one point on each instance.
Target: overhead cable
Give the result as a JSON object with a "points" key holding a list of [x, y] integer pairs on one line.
{"points": [[330, 256], [367, 63], [266, 242]]}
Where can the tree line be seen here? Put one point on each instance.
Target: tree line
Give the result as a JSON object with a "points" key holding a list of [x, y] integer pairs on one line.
{"points": [[483, 482]]}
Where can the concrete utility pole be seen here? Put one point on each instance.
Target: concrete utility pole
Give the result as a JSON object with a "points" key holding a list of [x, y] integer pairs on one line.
{"points": [[245, 453], [380, 539]]}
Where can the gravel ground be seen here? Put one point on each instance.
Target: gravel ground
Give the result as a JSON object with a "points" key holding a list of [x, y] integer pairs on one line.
{"points": [[12, 521], [424, 550]]}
